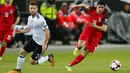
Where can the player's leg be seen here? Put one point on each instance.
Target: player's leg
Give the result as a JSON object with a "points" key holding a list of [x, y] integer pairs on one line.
{"points": [[1, 39], [2, 49], [20, 60], [7, 37], [78, 59], [89, 47], [80, 44], [37, 57], [43, 59]]}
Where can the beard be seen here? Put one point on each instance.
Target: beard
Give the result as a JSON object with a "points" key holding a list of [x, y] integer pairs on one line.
{"points": [[33, 14]]}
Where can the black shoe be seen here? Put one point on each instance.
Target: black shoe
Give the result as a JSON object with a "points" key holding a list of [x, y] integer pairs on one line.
{"points": [[51, 59], [17, 70]]}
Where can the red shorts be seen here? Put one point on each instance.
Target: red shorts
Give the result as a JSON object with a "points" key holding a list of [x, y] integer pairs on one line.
{"points": [[6, 35], [90, 42]]}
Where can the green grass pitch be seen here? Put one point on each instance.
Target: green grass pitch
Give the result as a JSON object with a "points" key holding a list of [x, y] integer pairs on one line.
{"points": [[97, 62]]}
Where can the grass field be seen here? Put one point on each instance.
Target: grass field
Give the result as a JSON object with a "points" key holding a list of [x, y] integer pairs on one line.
{"points": [[97, 62]]}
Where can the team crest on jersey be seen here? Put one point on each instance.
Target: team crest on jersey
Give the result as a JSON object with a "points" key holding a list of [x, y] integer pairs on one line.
{"points": [[11, 11]]}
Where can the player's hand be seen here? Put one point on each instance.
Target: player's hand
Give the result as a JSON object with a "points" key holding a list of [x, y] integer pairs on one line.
{"points": [[93, 23], [72, 5], [13, 26], [44, 48], [86, 6], [17, 31]]}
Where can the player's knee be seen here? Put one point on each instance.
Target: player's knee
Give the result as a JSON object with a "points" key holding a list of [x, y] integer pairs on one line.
{"points": [[32, 62], [4, 44], [23, 52], [81, 44], [85, 52]]}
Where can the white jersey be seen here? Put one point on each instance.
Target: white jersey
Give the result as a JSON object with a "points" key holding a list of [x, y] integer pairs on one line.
{"points": [[37, 24]]}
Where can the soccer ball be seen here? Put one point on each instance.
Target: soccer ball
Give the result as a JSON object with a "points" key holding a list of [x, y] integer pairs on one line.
{"points": [[115, 65]]}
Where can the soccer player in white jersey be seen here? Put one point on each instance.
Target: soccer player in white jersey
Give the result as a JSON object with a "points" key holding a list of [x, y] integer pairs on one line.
{"points": [[38, 43]]}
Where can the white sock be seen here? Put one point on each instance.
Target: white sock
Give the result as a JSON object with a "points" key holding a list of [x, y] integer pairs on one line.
{"points": [[42, 60], [20, 62]]}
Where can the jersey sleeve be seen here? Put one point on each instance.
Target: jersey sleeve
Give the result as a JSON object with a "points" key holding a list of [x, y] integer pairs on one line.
{"points": [[105, 22], [28, 23], [105, 17], [44, 25]]}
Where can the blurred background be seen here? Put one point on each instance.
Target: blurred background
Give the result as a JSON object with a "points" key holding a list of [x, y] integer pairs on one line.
{"points": [[64, 22], [65, 27]]}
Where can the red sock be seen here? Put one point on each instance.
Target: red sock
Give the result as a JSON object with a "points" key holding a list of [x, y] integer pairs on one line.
{"points": [[77, 60], [2, 50]]}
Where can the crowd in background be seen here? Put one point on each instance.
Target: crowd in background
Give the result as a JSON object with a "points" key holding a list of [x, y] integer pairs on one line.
{"points": [[66, 24]]}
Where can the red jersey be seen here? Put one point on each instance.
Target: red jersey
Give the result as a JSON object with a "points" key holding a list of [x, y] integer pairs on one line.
{"points": [[90, 34], [75, 18], [61, 17], [90, 31], [7, 16]]}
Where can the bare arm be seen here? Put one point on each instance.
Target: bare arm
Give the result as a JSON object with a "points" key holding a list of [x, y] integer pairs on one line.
{"points": [[101, 28], [17, 20], [17, 15], [22, 30], [80, 5], [47, 36]]}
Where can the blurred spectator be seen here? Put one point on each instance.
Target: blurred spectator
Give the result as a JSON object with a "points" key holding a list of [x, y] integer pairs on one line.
{"points": [[2, 2], [75, 22], [20, 37], [119, 26], [64, 32], [49, 11]]}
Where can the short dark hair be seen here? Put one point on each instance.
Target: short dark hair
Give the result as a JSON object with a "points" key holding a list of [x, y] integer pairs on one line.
{"points": [[101, 3], [33, 3]]}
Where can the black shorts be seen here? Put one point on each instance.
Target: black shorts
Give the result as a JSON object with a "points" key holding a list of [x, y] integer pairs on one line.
{"points": [[32, 46]]}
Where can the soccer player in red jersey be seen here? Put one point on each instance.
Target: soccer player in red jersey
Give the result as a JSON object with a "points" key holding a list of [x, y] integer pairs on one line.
{"points": [[91, 34], [9, 17]]}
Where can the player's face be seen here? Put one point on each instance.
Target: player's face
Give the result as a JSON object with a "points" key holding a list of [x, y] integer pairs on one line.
{"points": [[100, 8], [33, 9], [127, 7]]}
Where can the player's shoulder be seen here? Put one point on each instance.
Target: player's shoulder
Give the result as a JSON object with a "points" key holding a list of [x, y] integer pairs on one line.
{"points": [[39, 16], [29, 17], [106, 14], [14, 6]]}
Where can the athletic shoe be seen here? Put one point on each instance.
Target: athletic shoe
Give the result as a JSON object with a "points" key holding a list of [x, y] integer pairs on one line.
{"points": [[18, 70], [0, 58], [51, 59], [15, 71], [76, 52], [68, 68]]}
